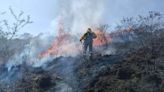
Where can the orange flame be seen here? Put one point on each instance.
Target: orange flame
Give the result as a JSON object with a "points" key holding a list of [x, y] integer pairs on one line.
{"points": [[62, 41], [59, 39], [103, 38], [63, 44]]}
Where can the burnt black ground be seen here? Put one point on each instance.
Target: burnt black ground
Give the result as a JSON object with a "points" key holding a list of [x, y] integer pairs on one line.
{"points": [[132, 70]]}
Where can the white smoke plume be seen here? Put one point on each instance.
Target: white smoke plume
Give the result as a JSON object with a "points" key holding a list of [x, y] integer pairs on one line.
{"points": [[31, 51], [77, 15], [73, 18]]}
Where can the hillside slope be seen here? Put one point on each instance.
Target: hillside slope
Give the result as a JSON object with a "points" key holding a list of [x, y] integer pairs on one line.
{"points": [[139, 71]]}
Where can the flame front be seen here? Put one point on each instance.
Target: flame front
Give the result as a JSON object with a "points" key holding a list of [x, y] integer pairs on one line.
{"points": [[103, 37], [66, 44]]}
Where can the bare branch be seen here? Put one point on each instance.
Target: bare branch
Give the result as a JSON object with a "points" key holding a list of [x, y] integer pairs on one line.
{"points": [[9, 30], [2, 13], [13, 14]]}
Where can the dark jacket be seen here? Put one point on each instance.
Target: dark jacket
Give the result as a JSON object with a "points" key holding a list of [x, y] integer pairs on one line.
{"points": [[88, 37]]}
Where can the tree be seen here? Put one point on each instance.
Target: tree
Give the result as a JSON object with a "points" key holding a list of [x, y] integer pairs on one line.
{"points": [[9, 31]]}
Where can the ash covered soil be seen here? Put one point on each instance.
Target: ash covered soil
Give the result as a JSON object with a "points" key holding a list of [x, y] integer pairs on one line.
{"points": [[133, 71]]}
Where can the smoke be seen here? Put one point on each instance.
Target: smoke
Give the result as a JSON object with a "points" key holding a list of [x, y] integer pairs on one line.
{"points": [[30, 52], [73, 18], [77, 15]]}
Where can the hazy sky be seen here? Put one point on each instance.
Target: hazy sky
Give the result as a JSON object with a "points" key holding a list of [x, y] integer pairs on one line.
{"points": [[128, 8], [43, 12]]}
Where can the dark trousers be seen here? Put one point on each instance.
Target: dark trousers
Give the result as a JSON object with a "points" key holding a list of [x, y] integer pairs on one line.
{"points": [[86, 47]]}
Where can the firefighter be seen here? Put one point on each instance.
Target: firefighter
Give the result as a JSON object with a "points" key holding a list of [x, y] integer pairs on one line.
{"points": [[87, 39]]}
